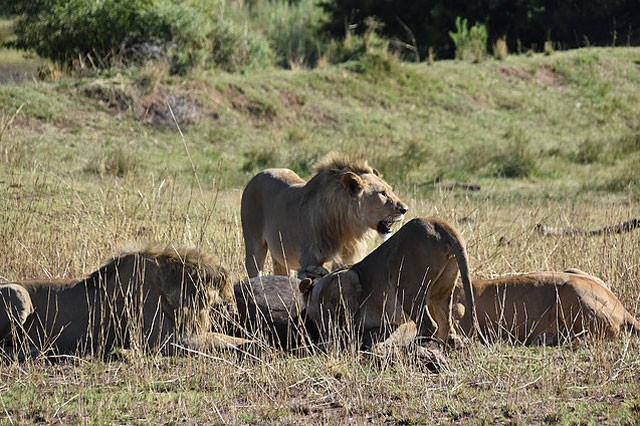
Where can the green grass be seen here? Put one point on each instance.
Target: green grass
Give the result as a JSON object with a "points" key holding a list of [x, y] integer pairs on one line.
{"points": [[540, 118], [90, 164]]}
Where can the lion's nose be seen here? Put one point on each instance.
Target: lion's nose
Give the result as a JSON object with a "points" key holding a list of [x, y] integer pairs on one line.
{"points": [[403, 208]]}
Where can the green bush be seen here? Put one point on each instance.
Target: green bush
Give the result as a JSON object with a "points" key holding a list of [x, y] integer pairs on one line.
{"points": [[471, 43], [236, 48], [367, 54], [514, 160], [292, 29], [81, 32]]}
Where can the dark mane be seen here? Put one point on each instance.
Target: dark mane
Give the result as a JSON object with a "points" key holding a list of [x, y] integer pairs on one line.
{"points": [[191, 260]]}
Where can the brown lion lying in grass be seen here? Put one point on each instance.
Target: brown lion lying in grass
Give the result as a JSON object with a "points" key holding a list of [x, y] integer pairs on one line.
{"points": [[545, 308], [154, 298]]}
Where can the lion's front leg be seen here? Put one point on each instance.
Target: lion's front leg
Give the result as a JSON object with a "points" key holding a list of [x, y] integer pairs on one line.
{"points": [[312, 264]]}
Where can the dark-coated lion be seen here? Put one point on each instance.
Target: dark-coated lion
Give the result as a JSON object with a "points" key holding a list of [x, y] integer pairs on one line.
{"points": [[410, 277], [153, 297], [545, 308], [305, 225]]}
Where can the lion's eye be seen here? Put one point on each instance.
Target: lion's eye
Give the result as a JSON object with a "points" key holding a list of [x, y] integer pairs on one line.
{"points": [[383, 194]]}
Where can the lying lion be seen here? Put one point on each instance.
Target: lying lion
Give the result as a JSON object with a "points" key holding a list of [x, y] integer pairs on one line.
{"points": [[154, 297], [545, 307], [409, 277], [308, 224]]}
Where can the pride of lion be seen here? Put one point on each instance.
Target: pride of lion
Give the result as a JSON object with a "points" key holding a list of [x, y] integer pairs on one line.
{"points": [[415, 287]]}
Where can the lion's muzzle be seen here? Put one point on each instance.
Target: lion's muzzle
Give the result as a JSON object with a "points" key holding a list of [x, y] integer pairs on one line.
{"points": [[384, 226]]}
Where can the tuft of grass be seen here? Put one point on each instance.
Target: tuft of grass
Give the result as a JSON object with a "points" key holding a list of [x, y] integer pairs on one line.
{"points": [[117, 162], [471, 43], [515, 159], [259, 159], [548, 47], [500, 48], [588, 151]]}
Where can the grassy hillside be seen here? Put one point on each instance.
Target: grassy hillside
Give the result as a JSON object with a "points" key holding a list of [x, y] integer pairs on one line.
{"points": [[569, 118], [88, 165]]}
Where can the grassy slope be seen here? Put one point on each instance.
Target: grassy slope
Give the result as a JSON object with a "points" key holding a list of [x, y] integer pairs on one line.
{"points": [[83, 171], [451, 112]]}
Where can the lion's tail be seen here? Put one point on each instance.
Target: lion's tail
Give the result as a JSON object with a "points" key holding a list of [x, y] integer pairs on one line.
{"points": [[458, 244]]}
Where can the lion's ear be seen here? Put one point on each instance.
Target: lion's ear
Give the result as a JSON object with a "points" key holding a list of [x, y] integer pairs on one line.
{"points": [[305, 285], [353, 183], [377, 173]]}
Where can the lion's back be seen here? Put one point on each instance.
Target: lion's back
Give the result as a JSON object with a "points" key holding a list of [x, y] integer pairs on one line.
{"points": [[265, 193]]}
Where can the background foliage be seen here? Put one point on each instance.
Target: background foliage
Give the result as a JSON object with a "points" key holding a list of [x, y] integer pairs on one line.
{"points": [[525, 23], [236, 36], [90, 162]]}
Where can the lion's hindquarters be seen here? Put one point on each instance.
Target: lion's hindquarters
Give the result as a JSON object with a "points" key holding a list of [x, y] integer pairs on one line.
{"points": [[269, 207], [428, 273], [600, 314], [547, 308]]}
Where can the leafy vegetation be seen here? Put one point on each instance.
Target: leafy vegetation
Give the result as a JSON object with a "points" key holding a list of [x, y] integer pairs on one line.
{"points": [[471, 43], [89, 34], [525, 25]]}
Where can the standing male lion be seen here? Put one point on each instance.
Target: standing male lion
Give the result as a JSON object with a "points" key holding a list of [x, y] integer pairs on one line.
{"points": [[308, 224]]}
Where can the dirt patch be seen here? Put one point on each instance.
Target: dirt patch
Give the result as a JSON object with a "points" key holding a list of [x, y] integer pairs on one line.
{"points": [[167, 111], [155, 109], [111, 96], [514, 73], [545, 76], [292, 100], [260, 109]]}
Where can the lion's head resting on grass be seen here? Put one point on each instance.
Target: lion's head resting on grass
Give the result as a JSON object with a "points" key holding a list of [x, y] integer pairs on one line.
{"points": [[186, 280], [154, 296], [307, 224]]}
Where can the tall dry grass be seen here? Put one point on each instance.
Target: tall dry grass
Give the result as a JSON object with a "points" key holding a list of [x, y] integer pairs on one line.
{"points": [[58, 219], [55, 227]]}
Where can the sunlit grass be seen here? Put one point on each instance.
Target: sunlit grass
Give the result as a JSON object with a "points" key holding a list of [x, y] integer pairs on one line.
{"points": [[80, 179]]}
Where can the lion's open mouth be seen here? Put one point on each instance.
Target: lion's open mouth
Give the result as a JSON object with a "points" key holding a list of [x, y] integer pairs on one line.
{"points": [[384, 226]]}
